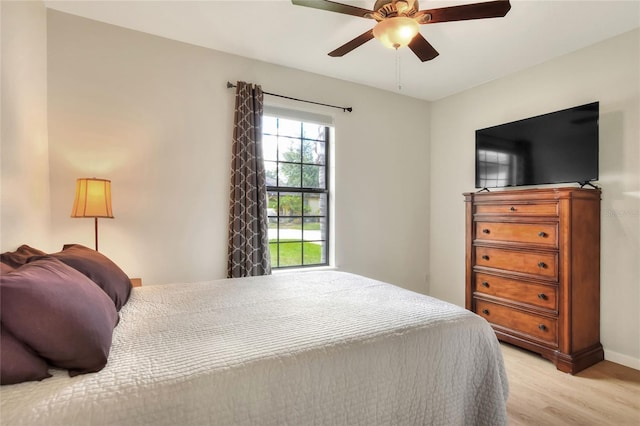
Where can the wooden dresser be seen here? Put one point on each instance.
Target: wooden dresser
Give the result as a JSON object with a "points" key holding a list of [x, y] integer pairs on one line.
{"points": [[533, 270]]}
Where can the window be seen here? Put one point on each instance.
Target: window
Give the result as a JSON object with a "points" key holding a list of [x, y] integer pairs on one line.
{"points": [[296, 164]]}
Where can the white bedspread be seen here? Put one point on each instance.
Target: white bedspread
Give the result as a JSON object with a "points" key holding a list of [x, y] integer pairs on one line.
{"points": [[314, 348]]}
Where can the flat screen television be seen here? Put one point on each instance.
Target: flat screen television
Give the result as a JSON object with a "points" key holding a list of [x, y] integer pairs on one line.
{"points": [[558, 147]]}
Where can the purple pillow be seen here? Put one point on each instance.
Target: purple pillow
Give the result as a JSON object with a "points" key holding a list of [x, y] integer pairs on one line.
{"points": [[100, 269], [17, 258], [59, 313], [19, 363]]}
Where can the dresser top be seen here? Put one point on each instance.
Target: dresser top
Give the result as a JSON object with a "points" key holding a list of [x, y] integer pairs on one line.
{"points": [[534, 194]]}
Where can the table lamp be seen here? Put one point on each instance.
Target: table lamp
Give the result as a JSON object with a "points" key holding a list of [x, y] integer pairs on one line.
{"points": [[93, 199]]}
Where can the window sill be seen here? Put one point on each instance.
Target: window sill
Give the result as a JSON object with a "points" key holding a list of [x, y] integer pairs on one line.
{"points": [[310, 269]]}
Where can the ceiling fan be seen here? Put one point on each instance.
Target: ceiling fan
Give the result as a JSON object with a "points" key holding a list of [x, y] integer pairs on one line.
{"points": [[399, 21]]}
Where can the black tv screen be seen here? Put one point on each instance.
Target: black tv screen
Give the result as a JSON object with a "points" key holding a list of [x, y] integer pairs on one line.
{"points": [[558, 147]]}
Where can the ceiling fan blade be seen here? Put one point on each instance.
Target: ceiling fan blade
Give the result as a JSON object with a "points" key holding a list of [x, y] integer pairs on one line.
{"points": [[422, 48], [490, 9], [349, 46], [333, 6]]}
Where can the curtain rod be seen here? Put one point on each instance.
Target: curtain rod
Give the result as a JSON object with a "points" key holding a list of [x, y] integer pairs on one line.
{"points": [[344, 109]]}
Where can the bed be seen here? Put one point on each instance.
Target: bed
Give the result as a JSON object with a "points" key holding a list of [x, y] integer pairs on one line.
{"points": [[310, 348]]}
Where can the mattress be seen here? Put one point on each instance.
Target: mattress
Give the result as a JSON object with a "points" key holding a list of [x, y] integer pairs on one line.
{"points": [[311, 348]]}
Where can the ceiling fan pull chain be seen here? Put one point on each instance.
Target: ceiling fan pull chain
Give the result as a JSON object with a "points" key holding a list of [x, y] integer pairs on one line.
{"points": [[398, 82]]}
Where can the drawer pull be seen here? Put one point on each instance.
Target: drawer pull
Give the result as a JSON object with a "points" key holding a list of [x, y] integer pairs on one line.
{"points": [[542, 265], [542, 296], [485, 311], [542, 234], [543, 327], [485, 231], [485, 284], [513, 209], [485, 257]]}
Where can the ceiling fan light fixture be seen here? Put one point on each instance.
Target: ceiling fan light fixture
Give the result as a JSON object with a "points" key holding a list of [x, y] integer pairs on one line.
{"points": [[396, 32]]}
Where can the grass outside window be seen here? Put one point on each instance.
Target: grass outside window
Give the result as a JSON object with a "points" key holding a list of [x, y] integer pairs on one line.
{"points": [[290, 253]]}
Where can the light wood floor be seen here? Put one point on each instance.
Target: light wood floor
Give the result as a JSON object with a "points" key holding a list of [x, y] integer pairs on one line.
{"points": [[604, 394]]}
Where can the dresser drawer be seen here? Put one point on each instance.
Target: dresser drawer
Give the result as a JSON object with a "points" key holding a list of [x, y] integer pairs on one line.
{"points": [[533, 209], [542, 328], [543, 296], [536, 264], [545, 234]]}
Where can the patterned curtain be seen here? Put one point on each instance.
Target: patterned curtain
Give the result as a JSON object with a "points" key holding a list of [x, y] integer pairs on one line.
{"points": [[248, 230]]}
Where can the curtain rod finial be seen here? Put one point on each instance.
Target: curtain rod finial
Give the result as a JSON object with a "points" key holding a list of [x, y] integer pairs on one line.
{"points": [[229, 85]]}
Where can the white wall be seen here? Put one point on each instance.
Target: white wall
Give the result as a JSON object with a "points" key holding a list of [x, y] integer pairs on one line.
{"points": [[155, 117], [24, 152], [608, 72]]}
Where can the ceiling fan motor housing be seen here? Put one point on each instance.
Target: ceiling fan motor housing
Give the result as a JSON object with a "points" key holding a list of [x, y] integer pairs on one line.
{"points": [[391, 8]]}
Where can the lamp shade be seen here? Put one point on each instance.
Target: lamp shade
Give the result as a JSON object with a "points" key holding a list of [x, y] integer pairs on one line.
{"points": [[93, 198], [396, 32]]}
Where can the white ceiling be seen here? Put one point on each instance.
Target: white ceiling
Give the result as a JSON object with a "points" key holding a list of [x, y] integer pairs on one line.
{"points": [[471, 52]]}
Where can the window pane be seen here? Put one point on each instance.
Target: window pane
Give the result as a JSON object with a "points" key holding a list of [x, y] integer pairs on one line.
{"points": [[290, 204], [271, 173], [273, 229], [313, 152], [313, 253], [289, 128], [289, 150], [273, 250], [323, 258], [290, 229], [313, 131], [289, 175], [270, 148], [272, 203], [313, 176], [314, 229], [290, 254], [269, 125], [316, 204]]}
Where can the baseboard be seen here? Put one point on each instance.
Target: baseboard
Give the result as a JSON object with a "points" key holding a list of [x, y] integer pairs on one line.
{"points": [[622, 359]]}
